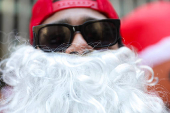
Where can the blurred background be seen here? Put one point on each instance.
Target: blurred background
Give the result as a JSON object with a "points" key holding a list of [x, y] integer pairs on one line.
{"points": [[15, 16]]}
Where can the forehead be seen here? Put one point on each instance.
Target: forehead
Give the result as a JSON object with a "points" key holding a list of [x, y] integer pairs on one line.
{"points": [[75, 16]]}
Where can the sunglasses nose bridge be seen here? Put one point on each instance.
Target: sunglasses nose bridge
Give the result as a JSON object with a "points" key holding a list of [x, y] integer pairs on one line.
{"points": [[76, 29]]}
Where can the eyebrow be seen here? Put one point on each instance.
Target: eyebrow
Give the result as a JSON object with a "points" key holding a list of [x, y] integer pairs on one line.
{"points": [[88, 19], [83, 20], [62, 21]]}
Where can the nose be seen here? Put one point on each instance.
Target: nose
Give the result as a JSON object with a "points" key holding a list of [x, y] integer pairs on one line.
{"points": [[78, 45]]}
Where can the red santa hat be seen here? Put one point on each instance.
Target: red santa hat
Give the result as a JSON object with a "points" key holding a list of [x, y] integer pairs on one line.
{"points": [[148, 29]]}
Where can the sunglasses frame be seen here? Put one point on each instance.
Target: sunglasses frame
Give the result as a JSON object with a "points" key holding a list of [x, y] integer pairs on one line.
{"points": [[80, 28]]}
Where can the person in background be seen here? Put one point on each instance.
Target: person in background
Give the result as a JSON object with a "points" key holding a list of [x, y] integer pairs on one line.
{"points": [[147, 29], [76, 64]]}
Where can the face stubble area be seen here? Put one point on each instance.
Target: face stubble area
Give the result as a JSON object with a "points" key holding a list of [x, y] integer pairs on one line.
{"points": [[99, 82]]}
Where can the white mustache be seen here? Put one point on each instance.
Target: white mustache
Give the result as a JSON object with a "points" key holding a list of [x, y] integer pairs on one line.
{"points": [[98, 82]]}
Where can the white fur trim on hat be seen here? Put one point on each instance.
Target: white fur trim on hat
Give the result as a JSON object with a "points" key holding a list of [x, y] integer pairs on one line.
{"points": [[157, 53]]}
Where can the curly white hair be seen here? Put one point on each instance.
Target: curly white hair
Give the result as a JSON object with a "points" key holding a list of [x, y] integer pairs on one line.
{"points": [[101, 82]]}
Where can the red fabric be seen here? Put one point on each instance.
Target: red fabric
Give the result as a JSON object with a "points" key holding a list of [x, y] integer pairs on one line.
{"points": [[45, 8], [146, 25]]}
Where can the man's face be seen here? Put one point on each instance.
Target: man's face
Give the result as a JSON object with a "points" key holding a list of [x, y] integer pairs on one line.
{"points": [[77, 16]]}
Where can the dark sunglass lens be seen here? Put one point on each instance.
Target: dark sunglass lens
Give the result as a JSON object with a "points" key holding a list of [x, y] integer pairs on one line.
{"points": [[101, 34], [54, 38]]}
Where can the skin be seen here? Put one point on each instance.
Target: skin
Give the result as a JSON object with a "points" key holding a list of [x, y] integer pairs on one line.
{"points": [[77, 16]]}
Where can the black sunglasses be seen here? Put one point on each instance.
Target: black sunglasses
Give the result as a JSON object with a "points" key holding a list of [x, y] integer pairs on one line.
{"points": [[58, 37]]}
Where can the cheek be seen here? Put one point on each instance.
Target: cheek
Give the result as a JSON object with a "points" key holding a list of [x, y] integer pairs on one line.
{"points": [[114, 47]]}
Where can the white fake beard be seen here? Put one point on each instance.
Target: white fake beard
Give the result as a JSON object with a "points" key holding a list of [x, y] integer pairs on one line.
{"points": [[100, 82]]}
